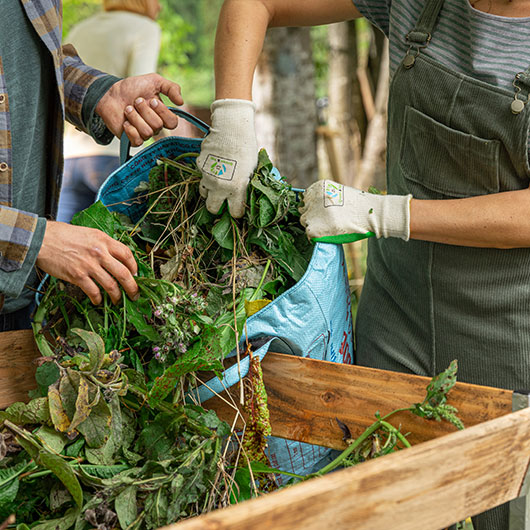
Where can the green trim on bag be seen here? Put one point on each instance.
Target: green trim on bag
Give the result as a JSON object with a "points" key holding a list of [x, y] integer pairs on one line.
{"points": [[342, 238]]}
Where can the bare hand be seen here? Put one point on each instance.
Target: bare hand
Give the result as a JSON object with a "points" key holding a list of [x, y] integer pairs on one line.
{"points": [[84, 256], [133, 105]]}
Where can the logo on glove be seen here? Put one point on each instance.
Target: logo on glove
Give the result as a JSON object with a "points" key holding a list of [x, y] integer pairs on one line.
{"points": [[333, 194], [221, 168]]}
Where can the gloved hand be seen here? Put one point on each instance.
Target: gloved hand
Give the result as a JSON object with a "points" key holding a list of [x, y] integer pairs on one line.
{"points": [[229, 155], [336, 212]]}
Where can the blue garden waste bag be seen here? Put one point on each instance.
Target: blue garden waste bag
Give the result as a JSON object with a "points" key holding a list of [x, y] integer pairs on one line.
{"points": [[312, 319]]}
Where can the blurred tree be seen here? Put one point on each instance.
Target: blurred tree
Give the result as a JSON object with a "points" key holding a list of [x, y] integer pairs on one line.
{"points": [[284, 92], [76, 10], [188, 34]]}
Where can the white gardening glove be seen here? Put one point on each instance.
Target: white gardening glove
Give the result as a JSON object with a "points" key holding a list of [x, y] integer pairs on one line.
{"points": [[339, 214], [229, 155]]}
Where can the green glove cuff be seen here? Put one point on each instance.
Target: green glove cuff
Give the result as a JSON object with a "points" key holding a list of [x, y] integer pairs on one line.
{"points": [[342, 238]]}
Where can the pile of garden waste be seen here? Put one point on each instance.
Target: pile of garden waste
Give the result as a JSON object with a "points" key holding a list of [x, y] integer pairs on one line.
{"points": [[111, 438]]}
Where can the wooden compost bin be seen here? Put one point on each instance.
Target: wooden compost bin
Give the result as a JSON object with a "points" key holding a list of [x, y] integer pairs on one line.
{"points": [[445, 478]]}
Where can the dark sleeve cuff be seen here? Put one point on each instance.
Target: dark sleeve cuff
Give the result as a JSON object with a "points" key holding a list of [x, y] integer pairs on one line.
{"points": [[94, 124]]}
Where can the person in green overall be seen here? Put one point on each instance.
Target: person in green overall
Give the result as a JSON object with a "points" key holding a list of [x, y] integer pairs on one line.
{"points": [[449, 269]]}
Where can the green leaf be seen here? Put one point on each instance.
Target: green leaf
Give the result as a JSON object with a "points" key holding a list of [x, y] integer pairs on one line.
{"points": [[58, 466], [98, 471], [96, 428], [204, 217], [34, 412], [47, 374], [96, 216], [136, 313], [441, 384], [241, 490], [264, 162], [154, 440], [51, 439], [102, 455], [222, 232], [9, 488], [62, 523], [267, 212], [74, 448], [96, 348], [204, 354], [126, 506]]}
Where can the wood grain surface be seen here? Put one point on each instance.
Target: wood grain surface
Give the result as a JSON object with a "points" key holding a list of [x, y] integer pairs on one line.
{"points": [[305, 396], [427, 487], [17, 368]]}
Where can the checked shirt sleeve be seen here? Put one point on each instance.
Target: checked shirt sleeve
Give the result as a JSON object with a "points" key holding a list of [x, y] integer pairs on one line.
{"points": [[83, 88], [16, 232], [21, 235]]}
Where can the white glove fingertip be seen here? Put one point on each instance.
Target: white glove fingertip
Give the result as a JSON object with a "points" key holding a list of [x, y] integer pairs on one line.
{"points": [[236, 206], [203, 190], [214, 203]]}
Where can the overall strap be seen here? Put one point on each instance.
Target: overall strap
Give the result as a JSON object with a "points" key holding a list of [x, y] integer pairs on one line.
{"points": [[421, 34]]}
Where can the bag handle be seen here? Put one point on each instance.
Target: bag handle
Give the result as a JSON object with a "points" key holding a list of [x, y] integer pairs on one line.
{"points": [[125, 143]]}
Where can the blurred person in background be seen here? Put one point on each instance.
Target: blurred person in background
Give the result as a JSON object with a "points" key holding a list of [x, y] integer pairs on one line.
{"points": [[122, 40]]}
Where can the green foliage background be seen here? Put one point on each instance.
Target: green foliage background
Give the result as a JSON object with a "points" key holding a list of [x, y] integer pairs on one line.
{"points": [[188, 33]]}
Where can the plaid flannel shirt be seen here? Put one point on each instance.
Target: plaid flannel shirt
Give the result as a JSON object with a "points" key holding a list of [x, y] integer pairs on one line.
{"points": [[73, 79]]}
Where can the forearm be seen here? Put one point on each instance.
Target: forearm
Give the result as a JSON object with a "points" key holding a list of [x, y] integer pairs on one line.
{"points": [[238, 42], [500, 220], [241, 32]]}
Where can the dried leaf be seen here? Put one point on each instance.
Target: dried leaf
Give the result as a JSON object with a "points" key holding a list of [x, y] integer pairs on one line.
{"points": [[58, 415]]}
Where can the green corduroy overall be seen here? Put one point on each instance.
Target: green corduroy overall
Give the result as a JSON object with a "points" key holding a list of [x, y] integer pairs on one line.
{"points": [[424, 304]]}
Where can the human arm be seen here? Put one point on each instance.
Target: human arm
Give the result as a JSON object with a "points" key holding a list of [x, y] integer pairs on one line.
{"points": [[229, 153], [241, 32], [76, 254], [131, 105], [498, 220], [87, 258]]}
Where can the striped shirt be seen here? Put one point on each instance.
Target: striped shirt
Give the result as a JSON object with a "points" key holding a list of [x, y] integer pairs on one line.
{"points": [[490, 48], [487, 47]]}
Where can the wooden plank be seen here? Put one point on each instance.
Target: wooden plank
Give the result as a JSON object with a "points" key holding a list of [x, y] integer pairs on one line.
{"points": [[426, 487], [17, 369], [305, 397]]}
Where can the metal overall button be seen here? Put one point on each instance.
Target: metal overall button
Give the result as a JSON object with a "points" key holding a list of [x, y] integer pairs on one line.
{"points": [[420, 41], [517, 105]]}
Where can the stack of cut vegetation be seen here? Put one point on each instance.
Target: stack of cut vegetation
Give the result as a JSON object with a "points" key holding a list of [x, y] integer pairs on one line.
{"points": [[110, 438]]}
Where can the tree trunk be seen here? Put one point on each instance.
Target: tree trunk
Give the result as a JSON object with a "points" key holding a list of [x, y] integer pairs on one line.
{"points": [[284, 93], [371, 171], [344, 101]]}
